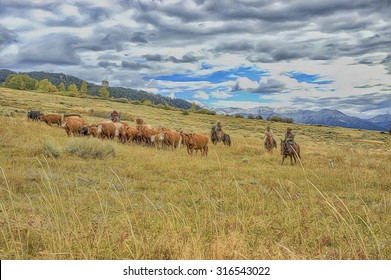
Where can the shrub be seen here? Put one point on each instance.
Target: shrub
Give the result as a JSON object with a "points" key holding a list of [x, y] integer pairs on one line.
{"points": [[91, 148], [185, 112], [50, 148], [121, 100], [206, 112], [280, 119], [238, 116]]}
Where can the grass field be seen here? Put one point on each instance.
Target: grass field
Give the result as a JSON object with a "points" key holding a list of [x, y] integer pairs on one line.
{"points": [[80, 198]]}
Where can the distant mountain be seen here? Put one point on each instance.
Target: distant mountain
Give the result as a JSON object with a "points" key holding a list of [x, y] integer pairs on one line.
{"points": [[322, 117], [116, 92]]}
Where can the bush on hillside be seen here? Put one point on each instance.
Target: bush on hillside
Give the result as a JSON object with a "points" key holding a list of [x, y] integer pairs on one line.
{"points": [[280, 119], [50, 148], [91, 148], [206, 112]]}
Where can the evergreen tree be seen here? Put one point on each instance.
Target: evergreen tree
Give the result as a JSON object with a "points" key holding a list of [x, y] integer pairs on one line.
{"points": [[104, 92], [193, 108], [46, 86], [83, 88], [73, 88], [61, 87]]}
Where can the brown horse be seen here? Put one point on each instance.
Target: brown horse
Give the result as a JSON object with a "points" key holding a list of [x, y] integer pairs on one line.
{"points": [[293, 151], [270, 143]]}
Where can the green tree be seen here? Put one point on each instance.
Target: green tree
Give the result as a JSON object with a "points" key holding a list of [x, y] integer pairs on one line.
{"points": [[61, 87], [104, 92], [46, 86], [193, 108], [19, 81], [83, 88], [147, 102], [73, 88]]}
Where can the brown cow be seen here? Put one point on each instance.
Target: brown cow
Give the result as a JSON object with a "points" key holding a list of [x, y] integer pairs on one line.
{"points": [[171, 138], [185, 140], [197, 142], [73, 125], [127, 134], [106, 130], [145, 132], [52, 118], [139, 121]]}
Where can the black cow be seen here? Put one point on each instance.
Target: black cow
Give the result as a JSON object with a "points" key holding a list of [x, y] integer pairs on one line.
{"points": [[34, 115]]}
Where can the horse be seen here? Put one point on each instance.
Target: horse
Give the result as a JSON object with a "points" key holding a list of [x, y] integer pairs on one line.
{"points": [[293, 151], [226, 139], [270, 143], [216, 135]]}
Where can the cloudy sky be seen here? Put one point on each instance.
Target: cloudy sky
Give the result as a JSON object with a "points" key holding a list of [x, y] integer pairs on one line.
{"points": [[299, 54]]}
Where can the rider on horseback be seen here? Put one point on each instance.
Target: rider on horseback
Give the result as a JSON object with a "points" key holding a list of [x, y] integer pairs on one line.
{"points": [[269, 132], [289, 138]]}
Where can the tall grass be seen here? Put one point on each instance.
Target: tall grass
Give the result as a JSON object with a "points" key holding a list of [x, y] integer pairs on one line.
{"points": [[134, 202]]}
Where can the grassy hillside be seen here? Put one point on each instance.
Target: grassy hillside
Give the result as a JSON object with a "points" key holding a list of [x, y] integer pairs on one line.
{"points": [[133, 202]]}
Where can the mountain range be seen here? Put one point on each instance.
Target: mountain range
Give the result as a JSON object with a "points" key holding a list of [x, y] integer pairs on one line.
{"points": [[322, 117]]}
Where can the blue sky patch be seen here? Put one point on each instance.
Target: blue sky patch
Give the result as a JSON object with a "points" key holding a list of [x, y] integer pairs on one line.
{"points": [[216, 77], [308, 78]]}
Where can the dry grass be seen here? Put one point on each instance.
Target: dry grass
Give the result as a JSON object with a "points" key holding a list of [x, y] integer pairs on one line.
{"points": [[137, 202]]}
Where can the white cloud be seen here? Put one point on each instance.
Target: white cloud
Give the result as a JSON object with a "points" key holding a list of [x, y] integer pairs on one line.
{"points": [[221, 94], [201, 95], [237, 104]]}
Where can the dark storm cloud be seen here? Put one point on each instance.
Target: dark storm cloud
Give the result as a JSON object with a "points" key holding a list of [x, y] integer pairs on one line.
{"points": [[187, 58], [134, 65], [270, 86], [53, 49], [106, 64], [6, 36], [234, 47], [139, 37], [387, 63], [153, 57]]}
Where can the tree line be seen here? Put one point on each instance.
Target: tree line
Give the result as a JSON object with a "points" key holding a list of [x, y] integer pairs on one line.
{"points": [[25, 82], [66, 83]]}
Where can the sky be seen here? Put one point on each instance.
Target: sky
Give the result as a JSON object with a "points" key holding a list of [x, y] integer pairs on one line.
{"points": [[295, 54]]}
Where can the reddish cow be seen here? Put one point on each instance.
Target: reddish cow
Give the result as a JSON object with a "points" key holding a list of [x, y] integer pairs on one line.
{"points": [[145, 132], [185, 140], [171, 138], [197, 142], [51, 118], [106, 130], [73, 125], [127, 133]]}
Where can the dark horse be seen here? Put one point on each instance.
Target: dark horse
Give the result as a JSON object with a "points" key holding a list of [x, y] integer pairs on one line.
{"points": [[218, 135], [270, 143], [293, 151]]}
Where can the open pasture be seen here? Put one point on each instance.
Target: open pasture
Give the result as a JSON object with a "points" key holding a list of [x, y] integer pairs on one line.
{"points": [[129, 201]]}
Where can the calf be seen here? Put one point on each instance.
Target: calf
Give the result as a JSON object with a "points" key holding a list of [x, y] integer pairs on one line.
{"points": [[49, 119]]}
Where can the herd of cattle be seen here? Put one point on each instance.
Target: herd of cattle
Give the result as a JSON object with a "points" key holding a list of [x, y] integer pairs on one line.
{"points": [[161, 137]]}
